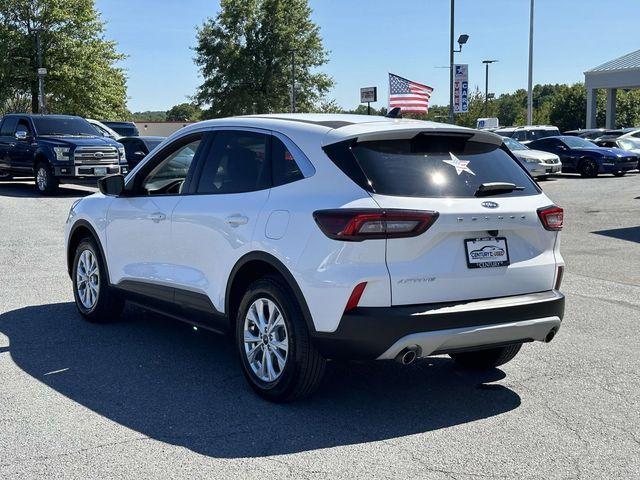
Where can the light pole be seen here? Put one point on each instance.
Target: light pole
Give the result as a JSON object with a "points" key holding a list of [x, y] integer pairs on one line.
{"points": [[530, 87], [461, 41], [293, 81], [42, 105], [486, 85]]}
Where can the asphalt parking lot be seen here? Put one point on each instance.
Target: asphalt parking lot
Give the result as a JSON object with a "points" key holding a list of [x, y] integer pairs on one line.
{"points": [[148, 397]]}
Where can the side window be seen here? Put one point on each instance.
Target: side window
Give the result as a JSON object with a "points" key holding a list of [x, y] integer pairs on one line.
{"points": [[237, 162], [284, 166], [168, 177], [8, 126], [23, 126], [520, 135]]}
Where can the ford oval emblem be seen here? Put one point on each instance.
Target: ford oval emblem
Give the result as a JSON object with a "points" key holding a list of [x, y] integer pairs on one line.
{"points": [[489, 204]]}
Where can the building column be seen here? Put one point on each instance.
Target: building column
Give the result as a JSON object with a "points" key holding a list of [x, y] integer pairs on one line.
{"points": [[611, 108], [591, 107]]}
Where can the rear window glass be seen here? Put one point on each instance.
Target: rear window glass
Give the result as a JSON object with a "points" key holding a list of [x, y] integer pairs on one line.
{"points": [[429, 166]]}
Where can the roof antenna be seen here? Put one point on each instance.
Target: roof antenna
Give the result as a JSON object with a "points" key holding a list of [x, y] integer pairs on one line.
{"points": [[394, 113]]}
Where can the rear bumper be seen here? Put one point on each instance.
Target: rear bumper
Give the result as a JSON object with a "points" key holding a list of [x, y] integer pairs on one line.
{"points": [[381, 332]]}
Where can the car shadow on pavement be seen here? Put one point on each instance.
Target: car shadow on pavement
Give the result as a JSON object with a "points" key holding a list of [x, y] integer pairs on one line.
{"points": [[177, 385], [27, 189], [631, 234]]}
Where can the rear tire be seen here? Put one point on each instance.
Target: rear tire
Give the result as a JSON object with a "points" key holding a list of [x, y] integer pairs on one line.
{"points": [[588, 168], [486, 359], [46, 183], [278, 357], [94, 298]]}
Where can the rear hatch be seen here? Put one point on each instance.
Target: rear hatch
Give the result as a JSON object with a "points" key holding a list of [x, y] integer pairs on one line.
{"points": [[483, 244]]}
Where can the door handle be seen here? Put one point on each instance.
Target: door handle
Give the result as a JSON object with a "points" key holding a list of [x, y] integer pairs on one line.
{"points": [[157, 217], [237, 220], [12, 144]]}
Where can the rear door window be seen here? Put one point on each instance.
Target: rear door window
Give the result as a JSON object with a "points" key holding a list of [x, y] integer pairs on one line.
{"points": [[429, 166], [285, 168]]}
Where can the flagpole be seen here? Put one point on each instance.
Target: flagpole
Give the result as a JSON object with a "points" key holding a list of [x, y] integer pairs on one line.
{"points": [[451, 119], [530, 86]]}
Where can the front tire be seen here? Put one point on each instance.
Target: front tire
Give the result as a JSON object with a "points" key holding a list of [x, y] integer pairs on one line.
{"points": [[46, 183], [278, 358], [95, 300], [588, 168], [486, 359]]}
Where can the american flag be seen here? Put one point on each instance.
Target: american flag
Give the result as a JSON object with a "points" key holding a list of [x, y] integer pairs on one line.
{"points": [[409, 96]]}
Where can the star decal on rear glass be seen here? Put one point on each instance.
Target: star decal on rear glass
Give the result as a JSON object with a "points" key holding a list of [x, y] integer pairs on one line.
{"points": [[459, 165]]}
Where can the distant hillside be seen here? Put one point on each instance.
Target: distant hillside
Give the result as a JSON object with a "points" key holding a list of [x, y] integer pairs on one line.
{"points": [[149, 116]]}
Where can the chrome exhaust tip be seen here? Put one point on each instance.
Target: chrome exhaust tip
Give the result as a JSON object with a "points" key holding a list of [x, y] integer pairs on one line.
{"points": [[408, 355]]}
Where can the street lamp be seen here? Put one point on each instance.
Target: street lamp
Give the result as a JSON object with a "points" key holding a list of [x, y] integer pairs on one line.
{"points": [[486, 85], [462, 39]]}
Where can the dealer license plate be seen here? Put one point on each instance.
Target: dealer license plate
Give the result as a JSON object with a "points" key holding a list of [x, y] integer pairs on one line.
{"points": [[487, 252]]}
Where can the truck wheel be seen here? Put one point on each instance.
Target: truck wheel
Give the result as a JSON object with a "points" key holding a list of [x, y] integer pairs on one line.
{"points": [[278, 358], [46, 183], [95, 300], [488, 358], [588, 168]]}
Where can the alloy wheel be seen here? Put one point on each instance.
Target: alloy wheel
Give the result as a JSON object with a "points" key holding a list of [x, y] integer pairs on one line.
{"points": [[88, 279], [266, 340], [41, 179]]}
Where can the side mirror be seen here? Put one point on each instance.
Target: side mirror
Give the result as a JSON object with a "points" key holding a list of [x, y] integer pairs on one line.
{"points": [[22, 135], [111, 185]]}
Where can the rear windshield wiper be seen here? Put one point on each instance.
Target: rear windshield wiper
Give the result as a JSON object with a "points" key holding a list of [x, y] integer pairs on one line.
{"points": [[496, 188]]}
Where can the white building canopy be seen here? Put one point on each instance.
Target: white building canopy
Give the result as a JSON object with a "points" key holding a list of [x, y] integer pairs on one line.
{"points": [[622, 72]]}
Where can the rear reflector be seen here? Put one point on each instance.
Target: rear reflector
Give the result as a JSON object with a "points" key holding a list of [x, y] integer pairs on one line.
{"points": [[552, 217], [559, 274], [354, 299], [355, 225]]}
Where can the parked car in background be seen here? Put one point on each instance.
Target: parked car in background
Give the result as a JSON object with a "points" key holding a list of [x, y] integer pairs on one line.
{"points": [[630, 144], [582, 156], [136, 148], [528, 133], [103, 129], [490, 123], [588, 134], [57, 149], [538, 163], [631, 133], [126, 129], [312, 237]]}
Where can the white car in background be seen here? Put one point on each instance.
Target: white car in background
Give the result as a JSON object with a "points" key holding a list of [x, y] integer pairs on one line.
{"points": [[528, 133], [313, 237], [104, 130], [538, 163]]}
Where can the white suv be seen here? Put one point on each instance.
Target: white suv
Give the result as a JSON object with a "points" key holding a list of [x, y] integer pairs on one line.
{"points": [[315, 237]]}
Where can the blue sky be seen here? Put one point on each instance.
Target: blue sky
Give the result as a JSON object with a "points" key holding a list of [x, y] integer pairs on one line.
{"points": [[368, 38]]}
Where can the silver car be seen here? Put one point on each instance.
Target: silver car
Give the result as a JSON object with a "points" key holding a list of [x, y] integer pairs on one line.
{"points": [[538, 163]]}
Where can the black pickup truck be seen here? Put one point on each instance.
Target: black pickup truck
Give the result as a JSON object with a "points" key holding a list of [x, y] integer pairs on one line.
{"points": [[56, 149]]}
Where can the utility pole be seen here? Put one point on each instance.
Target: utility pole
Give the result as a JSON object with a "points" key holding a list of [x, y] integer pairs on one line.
{"points": [[486, 86], [530, 88], [451, 119], [293, 81], [42, 106]]}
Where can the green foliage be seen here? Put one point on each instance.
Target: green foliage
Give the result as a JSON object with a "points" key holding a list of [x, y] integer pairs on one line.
{"points": [[83, 77], [149, 116], [184, 112], [244, 55]]}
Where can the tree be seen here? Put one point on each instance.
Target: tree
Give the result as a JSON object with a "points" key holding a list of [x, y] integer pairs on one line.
{"points": [[184, 112], [245, 55], [82, 73]]}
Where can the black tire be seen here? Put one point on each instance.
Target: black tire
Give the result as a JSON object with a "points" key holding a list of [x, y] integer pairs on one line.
{"points": [[619, 174], [108, 306], [303, 367], [486, 359], [588, 168], [49, 183]]}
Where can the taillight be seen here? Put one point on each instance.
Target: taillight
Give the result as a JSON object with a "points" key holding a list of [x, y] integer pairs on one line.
{"points": [[552, 217], [355, 225]]}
